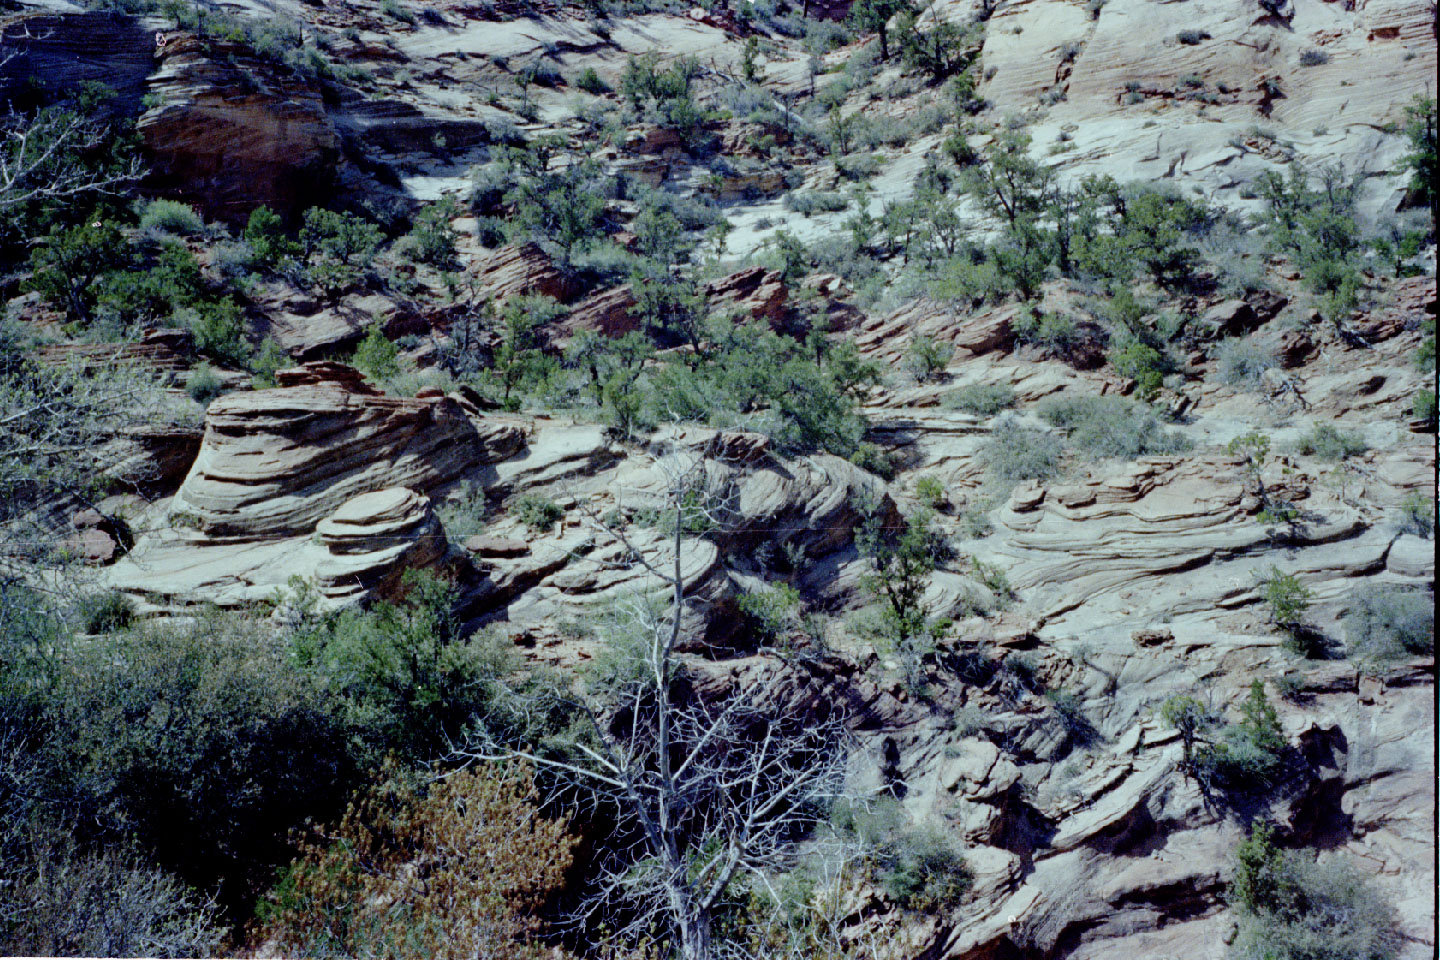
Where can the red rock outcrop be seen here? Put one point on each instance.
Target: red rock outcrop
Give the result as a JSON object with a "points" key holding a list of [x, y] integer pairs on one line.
{"points": [[523, 269], [233, 131]]}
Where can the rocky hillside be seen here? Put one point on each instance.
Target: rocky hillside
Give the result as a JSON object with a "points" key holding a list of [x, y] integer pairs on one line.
{"points": [[1038, 396]]}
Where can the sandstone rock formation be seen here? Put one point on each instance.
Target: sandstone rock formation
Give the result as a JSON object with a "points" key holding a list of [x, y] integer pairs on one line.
{"points": [[373, 539], [274, 462], [232, 132]]}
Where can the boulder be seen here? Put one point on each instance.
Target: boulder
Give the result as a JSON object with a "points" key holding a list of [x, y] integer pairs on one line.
{"points": [[373, 539], [525, 269], [756, 291], [485, 546], [606, 312], [98, 539], [1231, 318], [1294, 349]]}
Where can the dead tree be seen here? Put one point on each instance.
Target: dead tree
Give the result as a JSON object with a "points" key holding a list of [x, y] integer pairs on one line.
{"points": [[704, 792]]}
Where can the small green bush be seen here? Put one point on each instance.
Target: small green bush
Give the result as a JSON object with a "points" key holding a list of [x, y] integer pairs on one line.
{"points": [[771, 611], [1386, 621], [930, 491], [591, 83], [376, 356], [1313, 58], [1240, 362], [1423, 406], [981, 399], [105, 612], [536, 512], [807, 202], [265, 233], [923, 870], [1289, 906], [1329, 443], [171, 216], [203, 384], [219, 330], [431, 238], [1111, 427], [1190, 38], [1287, 598], [1417, 513], [1247, 755], [1145, 365], [927, 357], [1016, 452], [268, 359]]}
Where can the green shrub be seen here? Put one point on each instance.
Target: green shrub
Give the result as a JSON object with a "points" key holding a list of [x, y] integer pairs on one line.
{"points": [[1055, 332], [105, 612], [807, 202], [771, 611], [1290, 906], [1190, 38], [1016, 452], [1287, 598], [1417, 513], [202, 742], [1110, 427], [1144, 365], [536, 512], [981, 399], [265, 233], [590, 82], [337, 246], [1070, 711], [1386, 621], [204, 384], [926, 358], [431, 238], [463, 513], [1329, 443], [1247, 755], [1241, 363], [930, 491], [1423, 406], [171, 216], [923, 870], [376, 356], [219, 329], [1313, 58], [268, 359]]}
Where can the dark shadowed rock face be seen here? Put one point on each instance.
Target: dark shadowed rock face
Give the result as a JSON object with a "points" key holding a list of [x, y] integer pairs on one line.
{"points": [[71, 48], [233, 132]]}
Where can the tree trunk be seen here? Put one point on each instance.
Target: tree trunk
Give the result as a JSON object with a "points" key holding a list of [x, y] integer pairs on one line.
{"points": [[695, 937]]}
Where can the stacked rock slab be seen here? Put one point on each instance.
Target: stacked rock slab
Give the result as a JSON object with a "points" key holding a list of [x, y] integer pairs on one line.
{"points": [[322, 478], [276, 462], [373, 539]]}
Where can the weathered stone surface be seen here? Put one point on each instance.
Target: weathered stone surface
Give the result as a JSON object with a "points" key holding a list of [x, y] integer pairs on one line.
{"points": [[486, 546], [606, 312], [756, 292], [1232, 318]]}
